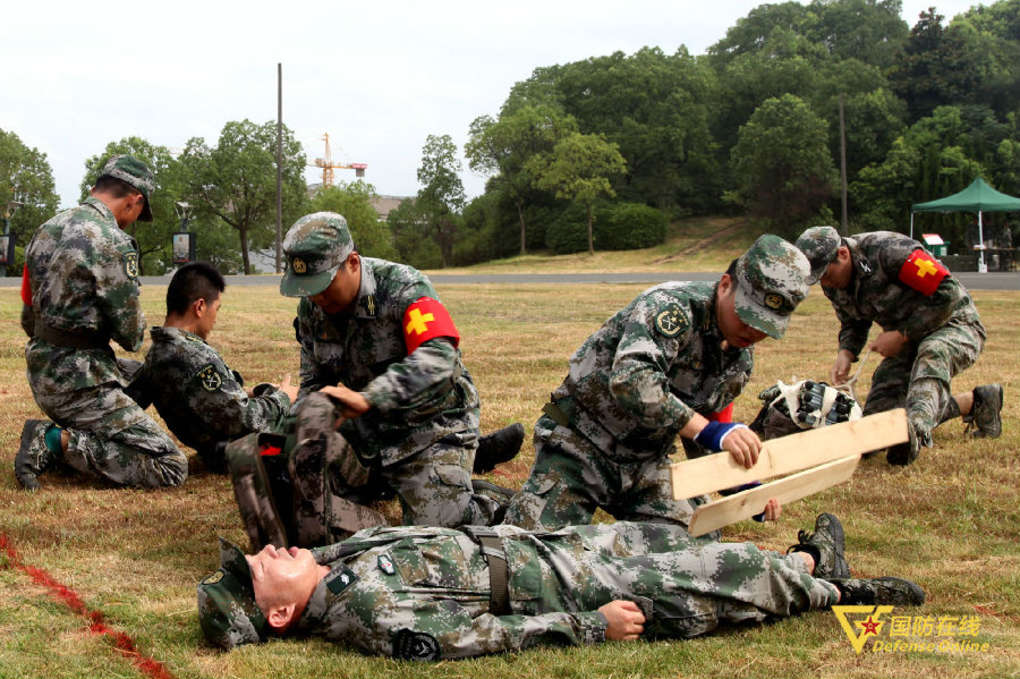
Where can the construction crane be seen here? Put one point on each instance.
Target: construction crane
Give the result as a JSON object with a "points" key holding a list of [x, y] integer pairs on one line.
{"points": [[327, 165]]}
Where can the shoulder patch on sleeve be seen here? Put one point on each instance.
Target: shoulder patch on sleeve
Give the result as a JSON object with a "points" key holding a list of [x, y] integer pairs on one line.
{"points": [[427, 319], [210, 378], [922, 272], [671, 320], [410, 645], [131, 264]]}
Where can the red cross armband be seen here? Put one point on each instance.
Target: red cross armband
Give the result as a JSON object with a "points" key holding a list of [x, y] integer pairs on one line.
{"points": [[922, 272], [427, 319], [26, 287]]}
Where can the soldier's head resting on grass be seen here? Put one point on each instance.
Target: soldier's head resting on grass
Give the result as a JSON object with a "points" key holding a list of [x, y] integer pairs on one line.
{"points": [[322, 262], [420, 593]]}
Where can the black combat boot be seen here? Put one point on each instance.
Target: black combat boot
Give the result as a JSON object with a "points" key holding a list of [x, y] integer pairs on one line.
{"points": [[826, 545], [895, 591], [33, 457], [985, 416], [498, 447], [903, 454]]}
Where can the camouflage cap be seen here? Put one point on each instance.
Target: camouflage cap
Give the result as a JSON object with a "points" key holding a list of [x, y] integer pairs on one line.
{"points": [[771, 281], [226, 602], [315, 247], [820, 245], [132, 171]]}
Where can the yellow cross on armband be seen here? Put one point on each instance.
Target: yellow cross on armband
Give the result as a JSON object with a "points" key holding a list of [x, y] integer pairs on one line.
{"points": [[418, 322], [925, 268]]}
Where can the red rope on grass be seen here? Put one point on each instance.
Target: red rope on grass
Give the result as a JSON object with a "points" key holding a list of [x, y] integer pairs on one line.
{"points": [[121, 641]]}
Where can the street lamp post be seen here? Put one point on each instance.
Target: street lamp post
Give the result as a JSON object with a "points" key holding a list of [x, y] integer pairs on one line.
{"points": [[183, 240]]}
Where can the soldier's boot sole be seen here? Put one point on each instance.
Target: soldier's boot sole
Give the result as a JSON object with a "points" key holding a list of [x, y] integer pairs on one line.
{"points": [[985, 419], [33, 456], [498, 447], [827, 544]]}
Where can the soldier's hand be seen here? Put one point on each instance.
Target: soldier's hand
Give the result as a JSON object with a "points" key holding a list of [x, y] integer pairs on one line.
{"points": [[352, 403], [290, 389], [841, 368], [626, 621], [889, 343], [744, 445], [773, 509]]}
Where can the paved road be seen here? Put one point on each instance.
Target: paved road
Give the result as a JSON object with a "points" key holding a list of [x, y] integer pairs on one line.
{"points": [[972, 280]]}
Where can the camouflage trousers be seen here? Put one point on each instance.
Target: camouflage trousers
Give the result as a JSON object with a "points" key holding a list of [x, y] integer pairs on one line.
{"points": [[685, 586], [919, 376], [112, 438], [571, 478], [434, 484]]}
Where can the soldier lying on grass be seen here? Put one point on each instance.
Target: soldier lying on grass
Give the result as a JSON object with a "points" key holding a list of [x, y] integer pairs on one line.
{"points": [[438, 593]]}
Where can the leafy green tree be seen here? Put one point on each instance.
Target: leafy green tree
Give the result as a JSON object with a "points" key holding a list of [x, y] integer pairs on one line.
{"points": [[782, 165], [579, 169], [503, 147], [940, 66], [932, 159], [153, 238], [656, 107], [26, 177], [868, 30], [354, 201], [235, 181], [442, 194], [410, 230]]}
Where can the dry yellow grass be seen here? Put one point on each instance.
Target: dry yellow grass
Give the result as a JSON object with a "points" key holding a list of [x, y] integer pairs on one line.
{"points": [[951, 521]]}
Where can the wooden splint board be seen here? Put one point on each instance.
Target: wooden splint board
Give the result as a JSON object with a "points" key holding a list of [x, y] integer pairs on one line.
{"points": [[823, 457]]}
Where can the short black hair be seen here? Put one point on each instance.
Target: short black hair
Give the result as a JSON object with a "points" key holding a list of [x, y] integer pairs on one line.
{"points": [[197, 280], [118, 188]]}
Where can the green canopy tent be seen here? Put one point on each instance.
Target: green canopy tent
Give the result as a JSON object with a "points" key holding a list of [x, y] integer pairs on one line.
{"points": [[979, 197]]}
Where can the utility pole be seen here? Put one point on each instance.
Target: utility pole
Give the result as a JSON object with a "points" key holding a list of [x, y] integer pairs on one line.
{"points": [[279, 166], [842, 165]]}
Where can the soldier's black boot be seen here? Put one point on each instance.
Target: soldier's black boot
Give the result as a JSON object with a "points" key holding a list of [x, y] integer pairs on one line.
{"points": [[895, 591], [985, 416], [498, 447], [903, 454], [33, 456], [826, 544]]}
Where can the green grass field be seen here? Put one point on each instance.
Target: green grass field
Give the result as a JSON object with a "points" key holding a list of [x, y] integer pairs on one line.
{"points": [[951, 521]]}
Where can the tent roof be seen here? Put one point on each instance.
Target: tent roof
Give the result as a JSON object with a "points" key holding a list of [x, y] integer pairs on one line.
{"points": [[979, 196]]}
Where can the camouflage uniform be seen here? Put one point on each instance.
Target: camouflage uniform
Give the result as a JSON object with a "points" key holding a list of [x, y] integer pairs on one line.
{"points": [[420, 434], [83, 270], [201, 399], [944, 331], [427, 593], [634, 384]]}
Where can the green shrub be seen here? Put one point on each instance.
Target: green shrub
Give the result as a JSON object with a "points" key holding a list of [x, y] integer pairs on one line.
{"points": [[629, 226]]}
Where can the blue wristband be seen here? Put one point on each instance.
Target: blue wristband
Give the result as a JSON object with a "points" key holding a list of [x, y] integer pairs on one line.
{"points": [[712, 435]]}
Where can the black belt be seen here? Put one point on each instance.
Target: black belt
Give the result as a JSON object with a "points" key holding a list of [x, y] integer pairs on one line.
{"points": [[492, 550], [83, 339]]}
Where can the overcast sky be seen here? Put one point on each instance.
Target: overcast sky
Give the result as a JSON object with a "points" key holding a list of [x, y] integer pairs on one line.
{"points": [[378, 76]]}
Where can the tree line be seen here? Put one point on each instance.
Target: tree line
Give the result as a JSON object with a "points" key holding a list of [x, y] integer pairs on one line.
{"points": [[604, 152]]}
